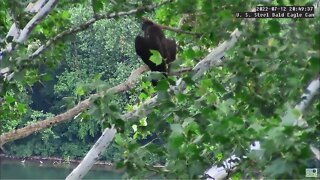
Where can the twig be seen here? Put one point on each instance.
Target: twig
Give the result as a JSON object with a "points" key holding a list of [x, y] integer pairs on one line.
{"points": [[173, 29]]}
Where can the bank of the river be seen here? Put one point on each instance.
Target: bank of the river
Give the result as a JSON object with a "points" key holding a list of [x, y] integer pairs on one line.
{"points": [[17, 168], [52, 160]]}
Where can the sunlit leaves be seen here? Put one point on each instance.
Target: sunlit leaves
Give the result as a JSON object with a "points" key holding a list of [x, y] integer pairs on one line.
{"points": [[156, 57], [79, 91], [9, 99], [143, 122]]}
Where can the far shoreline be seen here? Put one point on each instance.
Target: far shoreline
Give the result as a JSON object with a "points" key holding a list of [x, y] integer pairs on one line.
{"points": [[53, 160]]}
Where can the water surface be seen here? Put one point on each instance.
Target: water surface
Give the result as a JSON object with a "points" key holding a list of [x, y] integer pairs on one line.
{"points": [[14, 169]]}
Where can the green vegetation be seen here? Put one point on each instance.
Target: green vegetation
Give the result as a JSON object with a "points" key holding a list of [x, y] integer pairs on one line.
{"points": [[242, 100]]}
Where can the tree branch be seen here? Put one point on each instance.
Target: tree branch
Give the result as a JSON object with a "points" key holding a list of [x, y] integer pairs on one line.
{"points": [[93, 155], [177, 30], [20, 36], [36, 20], [80, 107]]}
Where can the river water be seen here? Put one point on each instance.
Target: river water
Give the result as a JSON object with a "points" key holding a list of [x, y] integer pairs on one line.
{"points": [[14, 169]]}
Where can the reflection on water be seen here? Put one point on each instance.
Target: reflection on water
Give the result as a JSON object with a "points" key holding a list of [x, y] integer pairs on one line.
{"points": [[14, 169]]}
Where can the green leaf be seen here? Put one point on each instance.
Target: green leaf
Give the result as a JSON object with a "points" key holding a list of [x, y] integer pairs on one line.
{"points": [[176, 129], [181, 97], [65, 15], [143, 96], [134, 127], [80, 91], [225, 14], [162, 85], [175, 141], [274, 26], [156, 57], [47, 77], [10, 99], [206, 83], [97, 5], [187, 121], [256, 126], [291, 117], [105, 124], [21, 107], [315, 63], [20, 76], [226, 106], [119, 140], [189, 53], [114, 108], [98, 76], [120, 165], [143, 122], [277, 167], [133, 147]]}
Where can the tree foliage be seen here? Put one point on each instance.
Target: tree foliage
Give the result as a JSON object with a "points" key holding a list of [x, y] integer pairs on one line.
{"points": [[242, 100]]}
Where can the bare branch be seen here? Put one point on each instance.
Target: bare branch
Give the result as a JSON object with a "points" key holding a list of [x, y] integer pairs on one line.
{"points": [[308, 95], [180, 71], [217, 54], [92, 156], [35, 7]]}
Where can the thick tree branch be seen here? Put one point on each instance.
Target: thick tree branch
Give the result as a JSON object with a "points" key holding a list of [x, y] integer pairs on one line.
{"points": [[80, 107], [35, 7], [93, 155]]}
